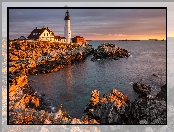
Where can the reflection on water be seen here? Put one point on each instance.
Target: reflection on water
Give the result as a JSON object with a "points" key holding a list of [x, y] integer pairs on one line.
{"points": [[72, 85], [69, 77], [67, 94]]}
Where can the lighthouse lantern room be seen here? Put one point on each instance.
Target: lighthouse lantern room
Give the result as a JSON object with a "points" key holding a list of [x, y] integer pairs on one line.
{"points": [[67, 31]]}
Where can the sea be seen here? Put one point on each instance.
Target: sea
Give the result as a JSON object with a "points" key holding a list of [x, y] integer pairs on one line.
{"points": [[72, 85]]}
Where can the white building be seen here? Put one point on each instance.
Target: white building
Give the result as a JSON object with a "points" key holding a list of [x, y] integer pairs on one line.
{"points": [[45, 34], [67, 31], [59, 39]]}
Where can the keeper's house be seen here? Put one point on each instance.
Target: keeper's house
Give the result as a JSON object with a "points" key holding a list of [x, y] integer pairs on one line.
{"points": [[45, 34]]}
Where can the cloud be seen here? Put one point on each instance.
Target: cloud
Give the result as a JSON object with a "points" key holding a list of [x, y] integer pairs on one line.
{"points": [[93, 33], [116, 35]]}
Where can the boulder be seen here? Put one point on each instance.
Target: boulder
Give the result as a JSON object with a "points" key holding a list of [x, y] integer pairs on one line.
{"points": [[141, 88], [111, 109], [163, 93], [110, 51]]}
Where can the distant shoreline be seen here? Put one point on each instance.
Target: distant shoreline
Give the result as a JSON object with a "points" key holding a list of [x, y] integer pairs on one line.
{"points": [[129, 40]]}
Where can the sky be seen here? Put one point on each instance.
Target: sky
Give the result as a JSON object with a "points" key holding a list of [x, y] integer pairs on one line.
{"points": [[94, 24]]}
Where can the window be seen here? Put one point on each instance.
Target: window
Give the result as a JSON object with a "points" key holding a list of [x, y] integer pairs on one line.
{"points": [[44, 34], [33, 33], [47, 34]]}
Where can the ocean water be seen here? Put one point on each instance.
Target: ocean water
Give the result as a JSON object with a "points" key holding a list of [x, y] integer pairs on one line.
{"points": [[72, 86]]}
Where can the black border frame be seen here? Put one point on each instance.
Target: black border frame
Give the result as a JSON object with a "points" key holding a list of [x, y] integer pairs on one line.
{"points": [[8, 8]]}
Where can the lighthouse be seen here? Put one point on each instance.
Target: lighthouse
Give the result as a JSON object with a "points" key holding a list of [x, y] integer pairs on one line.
{"points": [[67, 31]]}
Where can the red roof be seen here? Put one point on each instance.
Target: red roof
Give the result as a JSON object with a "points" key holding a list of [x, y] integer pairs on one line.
{"points": [[62, 37], [56, 37]]}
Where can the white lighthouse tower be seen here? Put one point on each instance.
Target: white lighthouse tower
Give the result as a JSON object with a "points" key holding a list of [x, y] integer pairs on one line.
{"points": [[67, 31]]}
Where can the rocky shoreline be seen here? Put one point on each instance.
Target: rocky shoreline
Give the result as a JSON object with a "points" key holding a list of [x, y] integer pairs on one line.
{"points": [[27, 58], [26, 107], [45, 57], [115, 108]]}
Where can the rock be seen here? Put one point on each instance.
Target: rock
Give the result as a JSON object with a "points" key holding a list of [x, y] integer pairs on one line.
{"points": [[95, 96], [154, 75], [47, 121], [35, 101], [141, 88], [163, 93], [147, 109], [109, 51], [53, 109], [93, 59], [111, 109], [164, 88]]}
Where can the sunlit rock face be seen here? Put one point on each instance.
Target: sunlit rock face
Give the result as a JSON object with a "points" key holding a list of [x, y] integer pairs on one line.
{"points": [[25, 58], [26, 107], [115, 108], [110, 109], [109, 51], [45, 57]]}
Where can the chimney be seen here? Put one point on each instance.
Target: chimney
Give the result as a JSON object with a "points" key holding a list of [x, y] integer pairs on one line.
{"points": [[47, 27], [43, 27], [36, 27]]}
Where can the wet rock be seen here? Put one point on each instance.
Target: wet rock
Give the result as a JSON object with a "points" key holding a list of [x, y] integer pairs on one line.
{"points": [[109, 51], [155, 75], [43, 95], [163, 93], [93, 59], [164, 88], [142, 89], [111, 109], [147, 109]]}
